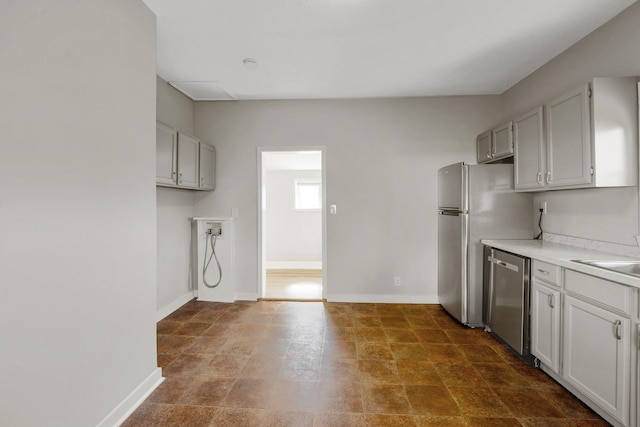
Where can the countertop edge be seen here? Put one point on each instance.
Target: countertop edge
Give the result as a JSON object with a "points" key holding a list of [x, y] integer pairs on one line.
{"points": [[562, 255]]}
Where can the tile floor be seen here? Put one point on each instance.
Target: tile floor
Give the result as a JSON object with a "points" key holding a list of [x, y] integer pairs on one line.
{"points": [[272, 363]]}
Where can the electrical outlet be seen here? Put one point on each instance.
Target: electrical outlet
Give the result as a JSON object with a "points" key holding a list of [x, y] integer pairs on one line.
{"points": [[542, 206], [396, 281]]}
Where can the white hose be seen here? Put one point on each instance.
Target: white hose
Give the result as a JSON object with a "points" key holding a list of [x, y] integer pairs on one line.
{"points": [[211, 240]]}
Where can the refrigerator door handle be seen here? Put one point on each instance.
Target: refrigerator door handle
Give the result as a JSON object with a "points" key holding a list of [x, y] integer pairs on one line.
{"points": [[465, 269]]}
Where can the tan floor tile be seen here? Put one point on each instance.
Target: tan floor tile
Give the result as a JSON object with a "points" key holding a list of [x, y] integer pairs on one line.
{"points": [[339, 333], [305, 349], [340, 370], [238, 417], [493, 422], [418, 372], [370, 334], [468, 336], [534, 377], [545, 422], [460, 374], [444, 353], [207, 392], [294, 396], [431, 421], [287, 419], [421, 321], [340, 350], [369, 322], [500, 374], [384, 398], [567, 404], [165, 327], [226, 365], [479, 402], [524, 404], [431, 400], [239, 345], [479, 353], [339, 397], [411, 351], [173, 344], [188, 365], [400, 335], [385, 420], [206, 345], [435, 336], [170, 390], [374, 350], [395, 322], [249, 393], [148, 415], [338, 419], [189, 416], [261, 366], [345, 321], [380, 371]]}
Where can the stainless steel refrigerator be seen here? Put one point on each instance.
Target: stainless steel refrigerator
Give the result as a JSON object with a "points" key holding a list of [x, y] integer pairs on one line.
{"points": [[475, 202]]}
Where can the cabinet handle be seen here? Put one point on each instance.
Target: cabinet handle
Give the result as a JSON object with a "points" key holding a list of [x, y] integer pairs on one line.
{"points": [[548, 177], [539, 178], [545, 272], [551, 302], [180, 180], [618, 325], [488, 154]]}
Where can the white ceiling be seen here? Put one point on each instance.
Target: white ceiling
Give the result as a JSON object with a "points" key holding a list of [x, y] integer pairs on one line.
{"points": [[308, 49]]}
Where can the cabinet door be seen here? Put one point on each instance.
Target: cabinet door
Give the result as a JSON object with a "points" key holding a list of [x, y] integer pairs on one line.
{"points": [[188, 149], [207, 167], [528, 138], [597, 355], [483, 143], [569, 139], [545, 325], [502, 141], [166, 139]]}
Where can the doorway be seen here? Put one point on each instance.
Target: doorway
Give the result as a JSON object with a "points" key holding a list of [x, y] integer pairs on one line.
{"points": [[291, 223]]}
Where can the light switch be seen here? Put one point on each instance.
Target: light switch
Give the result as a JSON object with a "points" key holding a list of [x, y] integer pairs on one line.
{"points": [[333, 209]]}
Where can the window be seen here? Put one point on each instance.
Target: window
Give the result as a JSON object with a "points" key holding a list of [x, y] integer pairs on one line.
{"points": [[308, 195]]}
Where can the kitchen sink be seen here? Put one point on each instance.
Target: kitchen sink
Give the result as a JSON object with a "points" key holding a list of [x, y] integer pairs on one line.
{"points": [[625, 267]]}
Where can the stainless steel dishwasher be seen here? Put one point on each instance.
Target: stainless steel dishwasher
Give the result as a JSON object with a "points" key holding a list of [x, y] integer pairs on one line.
{"points": [[507, 286]]}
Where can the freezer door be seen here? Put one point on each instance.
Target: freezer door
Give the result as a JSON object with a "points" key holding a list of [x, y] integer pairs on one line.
{"points": [[452, 191], [452, 263]]}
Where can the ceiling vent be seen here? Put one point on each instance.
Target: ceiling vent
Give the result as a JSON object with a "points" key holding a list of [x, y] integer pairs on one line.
{"points": [[203, 91]]}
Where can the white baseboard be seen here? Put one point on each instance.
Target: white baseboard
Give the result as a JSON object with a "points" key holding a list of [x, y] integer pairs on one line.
{"points": [[121, 412], [384, 298], [246, 296], [294, 265], [170, 308]]}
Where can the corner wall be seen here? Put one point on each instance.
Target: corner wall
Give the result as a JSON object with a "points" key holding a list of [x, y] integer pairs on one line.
{"points": [[77, 211], [609, 215], [174, 208]]}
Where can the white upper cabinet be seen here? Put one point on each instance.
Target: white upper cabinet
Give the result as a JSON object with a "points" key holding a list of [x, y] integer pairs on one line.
{"points": [[207, 167], [166, 154], [590, 139], [502, 141], [183, 161], [569, 139], [495, 144], [529, 161], [188, 156], [484, 147]]}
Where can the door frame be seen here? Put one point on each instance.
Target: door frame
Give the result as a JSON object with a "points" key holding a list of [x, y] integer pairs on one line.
{"points": [[260, 216]]}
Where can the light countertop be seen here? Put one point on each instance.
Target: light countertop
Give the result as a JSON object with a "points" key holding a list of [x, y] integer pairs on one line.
{"points": [[559, 254]]}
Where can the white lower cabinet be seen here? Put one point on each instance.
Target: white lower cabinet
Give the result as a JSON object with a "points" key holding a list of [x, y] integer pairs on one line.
{"points": [[545, 325], [597, 356]]}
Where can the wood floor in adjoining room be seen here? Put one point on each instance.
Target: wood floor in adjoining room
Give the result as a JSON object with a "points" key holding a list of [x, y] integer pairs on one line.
{"points": [[289, 284], [271, 363]]}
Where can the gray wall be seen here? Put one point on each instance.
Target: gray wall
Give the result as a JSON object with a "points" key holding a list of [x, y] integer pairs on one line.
{"points": [[77, 209], [174, 208], [381, 162], [609, 215]]}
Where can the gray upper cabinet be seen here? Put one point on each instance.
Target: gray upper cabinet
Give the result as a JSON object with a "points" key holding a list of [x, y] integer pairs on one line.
{"points": [[166, 154], [207, 167], [484, 147], [529, 160], [183, 161], [569, 139], [495, 144], [590, 139], [188, 156], [502, 141]]}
